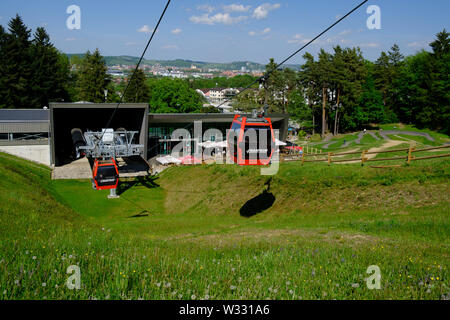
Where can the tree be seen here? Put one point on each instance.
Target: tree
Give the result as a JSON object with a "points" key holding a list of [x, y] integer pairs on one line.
{"points": [[138, 89], [371, 102], [436, 113], [387, 73], [356, 73], [338, 78], [249, 100], [32, 72], [50, 71], [92, 78], [310, 81], [16, 69], [172, 96], [325, 66], [274, 86], [300, 112]]}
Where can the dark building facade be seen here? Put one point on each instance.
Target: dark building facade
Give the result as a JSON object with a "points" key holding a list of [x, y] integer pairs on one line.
{"points": [[53, 127]]}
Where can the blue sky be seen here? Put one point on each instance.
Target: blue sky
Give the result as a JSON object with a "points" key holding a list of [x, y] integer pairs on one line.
{"points": [[225, 31]]}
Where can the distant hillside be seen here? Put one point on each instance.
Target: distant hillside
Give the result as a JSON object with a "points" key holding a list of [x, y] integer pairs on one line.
{"points": [[180, 63]]}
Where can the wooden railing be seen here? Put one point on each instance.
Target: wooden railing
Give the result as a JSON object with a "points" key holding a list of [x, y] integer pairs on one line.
{"points": [[363, 159]]}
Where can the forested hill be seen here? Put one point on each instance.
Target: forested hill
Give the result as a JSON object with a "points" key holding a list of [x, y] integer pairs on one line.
{"points": [[181, 63]]}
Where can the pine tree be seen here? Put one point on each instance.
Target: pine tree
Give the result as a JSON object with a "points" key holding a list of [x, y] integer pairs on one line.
{"points": [[92, 78], [274, 86], [138, 89], [50, 71], [325, 79], [439, 88], [3, 87], [16, 69], [310, 81]]}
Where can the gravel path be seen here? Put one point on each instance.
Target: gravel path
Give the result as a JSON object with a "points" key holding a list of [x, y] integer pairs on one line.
{"points": [[384, 134]]}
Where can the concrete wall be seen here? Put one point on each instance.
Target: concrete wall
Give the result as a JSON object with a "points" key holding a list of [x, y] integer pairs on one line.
{"points": [[37, 153]]}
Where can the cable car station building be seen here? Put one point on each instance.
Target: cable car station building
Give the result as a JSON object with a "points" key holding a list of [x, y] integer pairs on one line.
{"points": [[45, 135]]}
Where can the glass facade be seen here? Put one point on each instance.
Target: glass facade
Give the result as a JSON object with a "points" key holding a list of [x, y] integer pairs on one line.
{"points": [[160, 140]]}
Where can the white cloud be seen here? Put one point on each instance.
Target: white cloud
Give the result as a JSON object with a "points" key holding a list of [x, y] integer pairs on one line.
{"points": [[415, 44], [343, 33], [236, 8], [145, 29], [298, 38], [170, 47], [176, 31], [130, 44], [263, 32], [71, 39], [262, 11], [369, 45], [206, 7], [224, 18]]}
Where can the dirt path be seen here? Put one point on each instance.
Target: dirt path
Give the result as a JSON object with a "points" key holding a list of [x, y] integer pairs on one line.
{"points": [[388, 144]]}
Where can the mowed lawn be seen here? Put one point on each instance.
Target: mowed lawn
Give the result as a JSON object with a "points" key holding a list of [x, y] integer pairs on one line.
{"points": [[227, 232]]}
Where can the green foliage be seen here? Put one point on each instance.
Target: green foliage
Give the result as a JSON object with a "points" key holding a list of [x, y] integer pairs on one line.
{"points": [[372, 102], [299, 111], [423, 87], [32, 72], [138, 89], [172, 96], [92, 78]]}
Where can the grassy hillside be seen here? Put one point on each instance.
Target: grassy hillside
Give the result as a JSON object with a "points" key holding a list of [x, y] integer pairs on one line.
{"points": [[198, 233]]}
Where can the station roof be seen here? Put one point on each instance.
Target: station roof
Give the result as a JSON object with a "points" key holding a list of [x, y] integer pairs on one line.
{"points": [[205, 117], [24, 115], [41, 115]]}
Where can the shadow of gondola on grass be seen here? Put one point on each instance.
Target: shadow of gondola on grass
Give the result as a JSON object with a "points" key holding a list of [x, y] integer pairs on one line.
{"points": [[147, 182], [141, 214], [257, 204]]}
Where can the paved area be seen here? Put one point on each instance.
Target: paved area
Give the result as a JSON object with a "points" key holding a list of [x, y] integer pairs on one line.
{"points": [[82, 169]]}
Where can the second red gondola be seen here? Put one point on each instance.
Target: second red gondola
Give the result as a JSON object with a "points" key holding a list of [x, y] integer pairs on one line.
{"points": [[251, 141]]}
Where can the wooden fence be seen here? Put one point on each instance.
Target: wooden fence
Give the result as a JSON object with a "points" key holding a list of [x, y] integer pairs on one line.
{"points": [[318, 157]]}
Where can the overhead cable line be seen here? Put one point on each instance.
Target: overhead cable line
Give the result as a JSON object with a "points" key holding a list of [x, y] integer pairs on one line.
{"points": [[268, 73], [135, 70]]}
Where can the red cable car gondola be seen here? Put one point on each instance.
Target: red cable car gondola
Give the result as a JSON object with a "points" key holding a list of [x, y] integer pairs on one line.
{"points": [[105, 174], [251, 141]]}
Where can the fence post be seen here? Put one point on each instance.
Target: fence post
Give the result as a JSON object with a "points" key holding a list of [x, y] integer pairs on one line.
{"points": [[303, 159], [363, 158], [410, 150], [329, 158]]}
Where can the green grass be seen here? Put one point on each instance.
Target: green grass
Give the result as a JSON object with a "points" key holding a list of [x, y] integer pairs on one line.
{"points": [[181, 236]]}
